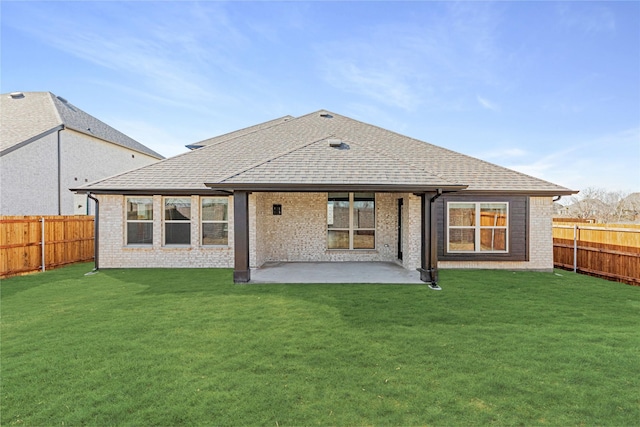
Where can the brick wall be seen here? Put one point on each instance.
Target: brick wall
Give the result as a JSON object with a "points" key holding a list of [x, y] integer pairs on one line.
{"points": [[299, 234], [114, 253]]}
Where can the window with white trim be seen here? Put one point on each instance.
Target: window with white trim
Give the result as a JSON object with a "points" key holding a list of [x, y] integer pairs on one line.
{"points": [[477, 227], [214, 221], [351, 221], [177, 221], [139, 218]]}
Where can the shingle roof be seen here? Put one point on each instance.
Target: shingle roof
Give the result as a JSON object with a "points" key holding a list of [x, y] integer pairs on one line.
{"points": [[240, 132], [26, 115], [297, 151]]}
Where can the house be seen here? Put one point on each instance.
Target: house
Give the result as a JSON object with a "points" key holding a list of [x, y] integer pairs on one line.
{"points": [[324, 187], [48, 145]]}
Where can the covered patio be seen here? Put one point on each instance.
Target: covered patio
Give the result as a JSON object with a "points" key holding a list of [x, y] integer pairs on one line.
{"points": [[335, 272]]}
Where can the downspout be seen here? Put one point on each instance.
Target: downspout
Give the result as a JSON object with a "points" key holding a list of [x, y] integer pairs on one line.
{"points": [[433, 236], [59, 174], [96, 234]]}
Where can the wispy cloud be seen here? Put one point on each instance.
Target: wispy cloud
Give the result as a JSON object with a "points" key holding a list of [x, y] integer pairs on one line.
{"points": [[608, 161], [176, 57], [586, 16], [485, 103], [430, 61]]}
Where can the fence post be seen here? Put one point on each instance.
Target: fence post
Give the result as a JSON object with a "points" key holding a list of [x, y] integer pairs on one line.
{"points": [[44, 263], [575, 248]]}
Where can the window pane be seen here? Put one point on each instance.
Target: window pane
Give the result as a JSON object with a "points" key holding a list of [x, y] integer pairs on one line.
{"points": [[338, 214], [364, 212], [493, 214], [364, 196], [215, 234], [177, 233], [462, 239], [462, 214], [364, 239], [139, 209], [177, 209], [338, 239], [214, 209], [493, 239], [139, 233]]}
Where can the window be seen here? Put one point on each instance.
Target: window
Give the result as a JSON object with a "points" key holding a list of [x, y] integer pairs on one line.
{"points": [[351, 221], [477, 227], [139, 220], [177, 221], [215, 221]]}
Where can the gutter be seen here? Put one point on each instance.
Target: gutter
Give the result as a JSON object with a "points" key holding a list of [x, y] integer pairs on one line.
{"points": [[96, 234]]}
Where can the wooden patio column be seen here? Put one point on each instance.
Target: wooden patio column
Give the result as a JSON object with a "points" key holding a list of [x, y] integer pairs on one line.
{"points": [[429, 237], [241, 269]]}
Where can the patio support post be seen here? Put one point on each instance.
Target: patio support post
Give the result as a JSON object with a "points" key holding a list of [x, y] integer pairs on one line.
{"points": [[429, 252], [241, 270]]}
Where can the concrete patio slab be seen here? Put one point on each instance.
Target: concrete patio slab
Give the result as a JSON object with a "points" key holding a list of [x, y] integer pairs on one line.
{"points": [[334, 272]]}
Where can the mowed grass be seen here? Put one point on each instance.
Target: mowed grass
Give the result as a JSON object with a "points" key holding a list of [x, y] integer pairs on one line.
{"points": [[188, 347]]}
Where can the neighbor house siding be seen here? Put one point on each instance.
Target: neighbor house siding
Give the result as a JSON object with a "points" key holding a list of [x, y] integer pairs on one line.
{"points": [[539, 237], [29, 175], [29, 179], [86, 159]]}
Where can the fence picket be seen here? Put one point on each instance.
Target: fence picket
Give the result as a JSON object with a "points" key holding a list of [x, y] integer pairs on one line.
{"points": [[608, 251], [67, 239]]}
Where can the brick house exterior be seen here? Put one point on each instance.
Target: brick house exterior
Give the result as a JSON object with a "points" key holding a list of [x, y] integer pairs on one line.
{"points": [[324, 187]]}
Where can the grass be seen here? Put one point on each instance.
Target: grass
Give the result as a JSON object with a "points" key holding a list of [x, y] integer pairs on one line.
{"points": [[188, 347]]}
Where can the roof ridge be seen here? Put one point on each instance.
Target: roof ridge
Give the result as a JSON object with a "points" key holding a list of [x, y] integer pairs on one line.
{"points": [[284, 119], [55, 108], [282, 154]]}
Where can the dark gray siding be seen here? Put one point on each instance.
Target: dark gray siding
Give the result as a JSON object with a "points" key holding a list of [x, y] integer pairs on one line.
{"points": [[518, 228]]}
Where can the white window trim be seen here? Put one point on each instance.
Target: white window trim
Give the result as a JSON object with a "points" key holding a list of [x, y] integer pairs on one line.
{"points": [[477, 228], [352, 228], [202, 221], [127, 221], [175, 221]]}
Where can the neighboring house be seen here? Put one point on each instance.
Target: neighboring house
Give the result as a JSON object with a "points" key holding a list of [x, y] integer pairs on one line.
{"points": [[48, 145], [324, 187]]}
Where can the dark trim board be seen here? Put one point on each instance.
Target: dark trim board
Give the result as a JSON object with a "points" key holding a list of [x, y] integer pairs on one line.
{"points": [[518, 228]]}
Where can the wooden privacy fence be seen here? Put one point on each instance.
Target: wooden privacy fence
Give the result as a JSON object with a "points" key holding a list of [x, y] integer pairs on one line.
{"points": [[611, 252], [32, 243]]}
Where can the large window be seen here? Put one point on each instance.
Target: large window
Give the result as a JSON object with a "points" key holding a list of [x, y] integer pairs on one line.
{"points": [[214, 220], [177, 220], [351, 221], [477, 227], [139, 220]]}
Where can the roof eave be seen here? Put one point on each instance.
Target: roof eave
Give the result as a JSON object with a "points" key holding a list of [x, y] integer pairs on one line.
{"points": [[312, 188], [531, 192]]}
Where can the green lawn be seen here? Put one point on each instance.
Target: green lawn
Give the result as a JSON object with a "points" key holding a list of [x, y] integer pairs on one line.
{"points": [[188, 347]]}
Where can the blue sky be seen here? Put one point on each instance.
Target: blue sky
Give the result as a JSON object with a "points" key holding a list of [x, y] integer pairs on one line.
{"points": [[551, 89]]}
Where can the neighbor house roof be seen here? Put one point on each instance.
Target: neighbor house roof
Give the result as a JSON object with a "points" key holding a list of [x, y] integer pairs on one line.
{"points": [[321, 150], [27, 116]]}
